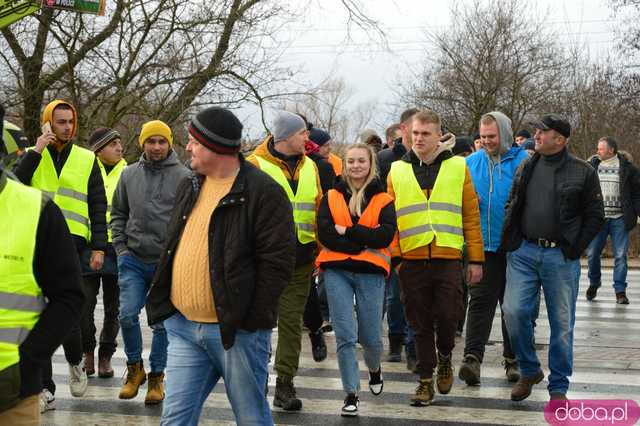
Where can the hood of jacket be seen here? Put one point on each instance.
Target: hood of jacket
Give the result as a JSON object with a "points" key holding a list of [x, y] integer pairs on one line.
{"points": [[47, 114], [504, 129], [374, 187], [171, 160]]}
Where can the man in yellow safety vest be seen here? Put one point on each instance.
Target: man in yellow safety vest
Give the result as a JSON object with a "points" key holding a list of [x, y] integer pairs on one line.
{"points": [[282, 157], [107, 146], [437, 212], [70, 175], [37, 261]]}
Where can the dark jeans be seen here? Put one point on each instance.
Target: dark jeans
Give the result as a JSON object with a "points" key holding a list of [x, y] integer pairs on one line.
{"points": [[396, 319], [322, 298], [312, 313], [483, 301], [72, 346], [432, 296], [110, 325]]}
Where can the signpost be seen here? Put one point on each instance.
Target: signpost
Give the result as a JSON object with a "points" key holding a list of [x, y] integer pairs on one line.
{"points": [[14, 10]]}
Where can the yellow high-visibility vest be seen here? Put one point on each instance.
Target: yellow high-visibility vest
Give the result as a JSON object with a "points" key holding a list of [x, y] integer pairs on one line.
{"points": [[21, 299], [303, 201], [69, 190], [110, 183], [420, 220]]}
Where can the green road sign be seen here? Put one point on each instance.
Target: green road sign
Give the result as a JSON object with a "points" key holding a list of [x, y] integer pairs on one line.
{"points": [[13, 10], [82, 6]]}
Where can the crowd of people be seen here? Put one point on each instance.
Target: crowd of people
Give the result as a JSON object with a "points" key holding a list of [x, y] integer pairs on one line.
{"points": [[431, 230]]}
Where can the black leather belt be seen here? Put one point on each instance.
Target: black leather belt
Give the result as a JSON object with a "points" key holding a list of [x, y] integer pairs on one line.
{"points": [[543, 242]]}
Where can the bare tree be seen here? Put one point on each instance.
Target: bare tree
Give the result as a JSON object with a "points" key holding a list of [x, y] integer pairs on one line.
{"points": [[492, 56], [149, 58]]}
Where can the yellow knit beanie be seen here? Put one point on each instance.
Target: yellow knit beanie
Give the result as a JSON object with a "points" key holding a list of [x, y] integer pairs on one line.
{"points": [[155, 128]]}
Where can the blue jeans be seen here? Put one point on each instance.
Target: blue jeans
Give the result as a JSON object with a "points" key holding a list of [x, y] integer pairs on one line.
{"points": [[396, 319], [620, 242], [134, 280], [529, 268], [368, 290], [197, 360]]}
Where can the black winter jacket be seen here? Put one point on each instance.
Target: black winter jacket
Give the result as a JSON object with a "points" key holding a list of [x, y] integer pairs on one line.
{"points": [[357, 237], [96, 197], [252, 249], [578, 200], [325, 171], [629, 190], [387, 156], [56, 268]]}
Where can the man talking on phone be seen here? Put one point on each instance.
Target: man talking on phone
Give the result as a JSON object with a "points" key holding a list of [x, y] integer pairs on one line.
{"points": [[71, 176]]}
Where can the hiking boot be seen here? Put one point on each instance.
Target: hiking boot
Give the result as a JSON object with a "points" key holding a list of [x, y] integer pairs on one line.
{"points": [[78, 381], [592, 292], [444, 374], [511, 369], [47, 401], [104, 367], [376, 384], [522, 389], [318, 346], [285, 395], [470, 370], [135, 378], [350, 407], [395, 348], [89, 363], [424, 393], [621, 298], [155, 389]]}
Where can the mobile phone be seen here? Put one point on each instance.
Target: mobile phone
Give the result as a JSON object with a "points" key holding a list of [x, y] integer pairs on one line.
{"points": [[46, 128]]}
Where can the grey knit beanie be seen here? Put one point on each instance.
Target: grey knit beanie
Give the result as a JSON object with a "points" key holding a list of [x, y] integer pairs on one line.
{"points": [[286, 124]]}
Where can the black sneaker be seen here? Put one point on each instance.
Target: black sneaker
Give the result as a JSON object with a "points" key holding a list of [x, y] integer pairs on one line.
{"points": [[285, 395], [350, 407], [318, 346], [376, 384], [592, 292]]}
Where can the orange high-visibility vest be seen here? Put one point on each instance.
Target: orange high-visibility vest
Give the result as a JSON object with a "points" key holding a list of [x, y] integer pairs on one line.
{"points": [[341, 216]]}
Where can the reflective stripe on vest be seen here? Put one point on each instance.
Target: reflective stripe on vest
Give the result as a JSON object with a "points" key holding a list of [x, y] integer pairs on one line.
{"points": [[69, 190], [110, 183], [370, 217], [421, 219], [21, 299], [304, 200]]}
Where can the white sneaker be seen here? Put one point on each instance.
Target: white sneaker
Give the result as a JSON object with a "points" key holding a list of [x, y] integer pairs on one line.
{"points": [[47, 401], [78, 381]]}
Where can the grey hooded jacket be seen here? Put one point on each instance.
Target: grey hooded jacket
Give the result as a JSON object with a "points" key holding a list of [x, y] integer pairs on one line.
{"points": [[142, 206]]}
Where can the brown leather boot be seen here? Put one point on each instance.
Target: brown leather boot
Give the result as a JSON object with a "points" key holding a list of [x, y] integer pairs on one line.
{"points": [[445, 374], [522, 389], [135, 377], [104, 367], [89, 363], [155, 388]]}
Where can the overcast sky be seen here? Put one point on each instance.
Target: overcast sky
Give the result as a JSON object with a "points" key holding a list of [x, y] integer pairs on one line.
{"points": [[320, 44]]}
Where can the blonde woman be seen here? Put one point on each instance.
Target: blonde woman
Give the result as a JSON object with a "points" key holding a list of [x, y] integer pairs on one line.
{"points": [[356, 225]]}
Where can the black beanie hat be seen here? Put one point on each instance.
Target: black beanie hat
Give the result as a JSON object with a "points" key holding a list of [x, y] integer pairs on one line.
{"points": [[101, 138], [524, 133], [218, 129]]}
